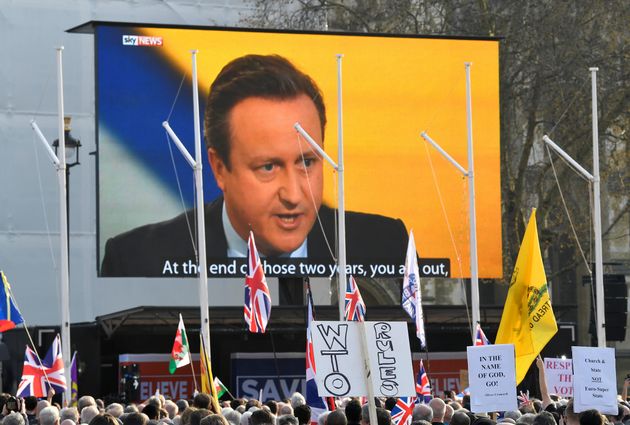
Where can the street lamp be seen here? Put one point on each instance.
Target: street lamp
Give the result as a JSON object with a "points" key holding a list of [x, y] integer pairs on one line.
{"points": [[72, 145]]}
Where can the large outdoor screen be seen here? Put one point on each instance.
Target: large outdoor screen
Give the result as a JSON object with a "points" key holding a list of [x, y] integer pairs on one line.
{"points": [[264, 178]]}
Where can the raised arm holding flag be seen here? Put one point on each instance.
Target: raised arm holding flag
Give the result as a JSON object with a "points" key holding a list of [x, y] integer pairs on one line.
{"points": [[528, 320]]}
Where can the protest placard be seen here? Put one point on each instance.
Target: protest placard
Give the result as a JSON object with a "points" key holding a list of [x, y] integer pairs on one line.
{"points": [[594, 379], [559, 375], [390, 358], [492, 378], [340, 362]]}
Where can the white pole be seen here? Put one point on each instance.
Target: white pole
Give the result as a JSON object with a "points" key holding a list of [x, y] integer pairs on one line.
{"points": [[201, 226], [63, 231], [597, 221], [474, 273], [341, 281]]}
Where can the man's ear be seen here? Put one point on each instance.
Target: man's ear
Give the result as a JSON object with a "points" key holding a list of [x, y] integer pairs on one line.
{"points": [[219, 169]]}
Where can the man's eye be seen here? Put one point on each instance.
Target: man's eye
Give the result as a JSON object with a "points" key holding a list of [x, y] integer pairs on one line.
{"points": [[267, 167], [308, 162]]}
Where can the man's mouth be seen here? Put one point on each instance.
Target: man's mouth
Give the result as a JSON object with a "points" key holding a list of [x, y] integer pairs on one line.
{"points": [[288, 221]]}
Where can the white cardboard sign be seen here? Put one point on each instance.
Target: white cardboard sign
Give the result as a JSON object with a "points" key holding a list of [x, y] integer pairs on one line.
{"points": [[559, 375], [340, 365], [594, 379], [492, 378]]}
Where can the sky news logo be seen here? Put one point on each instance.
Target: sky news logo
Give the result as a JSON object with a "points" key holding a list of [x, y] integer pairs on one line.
{"points": [[141, 40]]}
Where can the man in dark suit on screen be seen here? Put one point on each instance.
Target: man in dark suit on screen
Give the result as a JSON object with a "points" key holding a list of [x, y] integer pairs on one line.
{"points": [[272, 182]]}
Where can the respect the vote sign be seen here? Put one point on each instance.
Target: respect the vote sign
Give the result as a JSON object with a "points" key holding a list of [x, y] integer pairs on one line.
{"points": [[492, 378], [559, 375], [594, 379]]}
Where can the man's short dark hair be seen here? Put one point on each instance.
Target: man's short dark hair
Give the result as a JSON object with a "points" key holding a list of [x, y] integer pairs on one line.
{"points": [[151, 411], [544, 418], [336, 417], [261, 417], [198, 415], [303, 413], [30, 402], [201, 401], [353, 411], [135, 419], [383, 417], [272, 405], [459, 418], [269, 77]]}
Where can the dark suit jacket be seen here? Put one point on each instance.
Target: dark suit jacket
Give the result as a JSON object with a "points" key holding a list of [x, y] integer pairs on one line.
{"points": [[143, 251]]}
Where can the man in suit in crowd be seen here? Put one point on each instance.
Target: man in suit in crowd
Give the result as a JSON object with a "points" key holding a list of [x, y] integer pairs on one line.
{"points": [[272, 182]]}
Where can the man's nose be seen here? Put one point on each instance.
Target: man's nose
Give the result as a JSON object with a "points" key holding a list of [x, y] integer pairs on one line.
{"points": [[290, 190]]}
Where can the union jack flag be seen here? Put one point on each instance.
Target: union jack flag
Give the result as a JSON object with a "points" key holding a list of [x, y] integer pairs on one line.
{"points": [[480, 338], [34, 373], [403, 410], [355, 307], [313, 399], [257, 307], [423, 385]]}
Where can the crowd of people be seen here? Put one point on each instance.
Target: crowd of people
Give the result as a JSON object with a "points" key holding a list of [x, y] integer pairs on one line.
{"points": [[158, 410]]}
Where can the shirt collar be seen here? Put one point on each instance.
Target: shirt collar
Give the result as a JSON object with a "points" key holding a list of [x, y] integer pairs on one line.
{"points": [[237, 247]]}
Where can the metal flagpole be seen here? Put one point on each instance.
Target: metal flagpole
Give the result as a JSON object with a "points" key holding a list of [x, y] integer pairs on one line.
{"points": [[597, 220], [341, 208], [60, 164], [474, 272], [197, 166], [63, 228], [472, 213]]}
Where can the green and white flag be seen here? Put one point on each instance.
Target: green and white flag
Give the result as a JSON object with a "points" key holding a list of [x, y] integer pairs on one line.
{"points": [[180, 354], [221, 389]]}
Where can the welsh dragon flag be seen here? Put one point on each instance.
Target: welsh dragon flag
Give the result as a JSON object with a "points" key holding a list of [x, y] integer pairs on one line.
{"points": [[180, 354]]}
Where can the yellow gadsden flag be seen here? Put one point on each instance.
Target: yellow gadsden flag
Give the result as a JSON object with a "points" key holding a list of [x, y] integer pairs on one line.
{"points": [[528, 321]]}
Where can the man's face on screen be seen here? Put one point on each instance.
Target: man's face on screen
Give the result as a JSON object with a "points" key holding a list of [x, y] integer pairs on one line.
{"points": [[274, 183]]}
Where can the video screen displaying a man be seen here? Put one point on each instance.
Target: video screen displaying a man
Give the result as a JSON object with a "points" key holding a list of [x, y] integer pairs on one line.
{"points": [[271, 179]]}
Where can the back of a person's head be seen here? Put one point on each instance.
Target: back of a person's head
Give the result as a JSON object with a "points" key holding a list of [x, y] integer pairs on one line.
{"points": [[287, 420], [135, 418], [236, 402], [103, 419], [41, 405], [459, 418], [390, 403], [336, 417], [181, 405], [303, 413], [233, 417], [245, 418], [201, 401], [214, 419], [438, 407], [285, 409], [353, 411], [152, 411], [100, 404], [49, 415], [88, 413], [115, 409], [591, 417], [383, 416], [420, 422], [544, 418], [171, 408], [297, 399], [261, 417], [512, 414], [30, 403], [13, 418], [422, 412], [69, 413], [526, 419], [198, 415], [272, 405], [448, 413], [86, 400]]}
